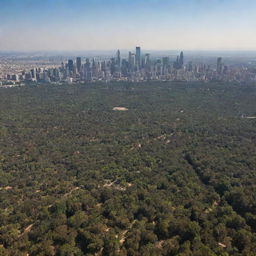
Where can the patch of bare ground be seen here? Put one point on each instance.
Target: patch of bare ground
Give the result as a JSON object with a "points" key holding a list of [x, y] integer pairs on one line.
{"points": [[159, 244], [6, 188], [138, 145], [120, 109], [114, 184], [222, 245]]}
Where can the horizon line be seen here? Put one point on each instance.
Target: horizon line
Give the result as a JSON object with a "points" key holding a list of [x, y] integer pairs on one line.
{"points": [[129, 49]]}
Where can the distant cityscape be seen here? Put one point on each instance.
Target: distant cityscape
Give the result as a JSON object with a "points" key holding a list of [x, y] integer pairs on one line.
{"points": [[137, 67]]}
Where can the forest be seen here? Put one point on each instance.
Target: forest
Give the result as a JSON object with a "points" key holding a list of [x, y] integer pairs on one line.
{"points": [[129, 169]]}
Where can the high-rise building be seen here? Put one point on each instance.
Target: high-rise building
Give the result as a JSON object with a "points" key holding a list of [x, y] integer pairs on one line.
{"points": [[181, 60], [219, 65], [87, 64], [165, 61], [190, 66], [87, 70], [147, 58], [130, 58], [138, 57], [33, 74], [225, 70], [112, 66], [124, 68], [131, 61], [176, 63], [118, 59], [94, 68], [147, 61], [70, 66], [78, 64]]}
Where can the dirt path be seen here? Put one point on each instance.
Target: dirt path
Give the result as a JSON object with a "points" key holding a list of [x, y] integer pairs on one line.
{"points": [[122, 235], [71, 191], [26, 230]]}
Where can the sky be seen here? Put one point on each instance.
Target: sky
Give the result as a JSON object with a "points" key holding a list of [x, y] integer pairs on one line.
{"points": [[46, 25]]}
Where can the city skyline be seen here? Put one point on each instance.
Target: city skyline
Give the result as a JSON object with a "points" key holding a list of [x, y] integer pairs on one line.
{"points": [[137, 66], [105, 25]]}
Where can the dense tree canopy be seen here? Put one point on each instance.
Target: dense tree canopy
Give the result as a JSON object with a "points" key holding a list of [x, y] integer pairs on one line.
{"points": [[175, 174]]}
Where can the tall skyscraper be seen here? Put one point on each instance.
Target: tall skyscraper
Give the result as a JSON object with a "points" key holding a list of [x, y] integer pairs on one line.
{"points": [[112, 66], [78, 64], [219, 65], [94, 68], [87, 70], [138, 57], [181, 60], [147, 59], [131, 61], [70, 67], [118, 59], [176, 63], [130, 58]]}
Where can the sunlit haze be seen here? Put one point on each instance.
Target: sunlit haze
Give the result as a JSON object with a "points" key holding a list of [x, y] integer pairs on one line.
{"points": [[31, 25]]}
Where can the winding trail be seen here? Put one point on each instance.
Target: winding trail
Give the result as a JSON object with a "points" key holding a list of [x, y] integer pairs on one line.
{"points": [[26, 230], [122, 236]]}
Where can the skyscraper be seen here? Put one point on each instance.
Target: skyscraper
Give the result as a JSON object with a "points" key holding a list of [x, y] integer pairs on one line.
{"points": [[87, 70], [147, 58], [130, 58], [138, 57], [219, 65], [70, 67], [112, 66], [176, 63], [118, 59], [190, 66], [165, 61], [181, 60], [147, 61], [131, 61], [33, 74], [78, 64]]}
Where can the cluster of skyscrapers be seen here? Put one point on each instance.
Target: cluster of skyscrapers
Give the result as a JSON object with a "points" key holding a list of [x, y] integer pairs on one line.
{"points": [[136, 67]]}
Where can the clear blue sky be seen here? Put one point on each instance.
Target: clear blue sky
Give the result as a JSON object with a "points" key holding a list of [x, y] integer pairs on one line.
{"points": [[111, 24]]}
